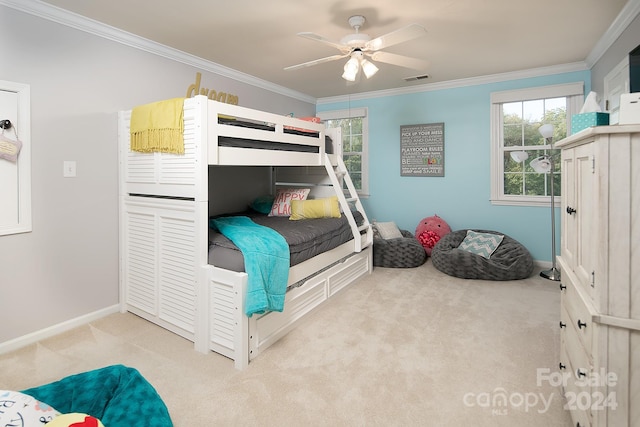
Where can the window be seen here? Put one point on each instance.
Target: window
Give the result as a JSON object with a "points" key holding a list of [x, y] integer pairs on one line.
{"points": [[354, 125], [516, 117]]}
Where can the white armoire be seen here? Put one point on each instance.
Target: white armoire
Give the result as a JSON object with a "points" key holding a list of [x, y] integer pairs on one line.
{"points": [[600, 276]]}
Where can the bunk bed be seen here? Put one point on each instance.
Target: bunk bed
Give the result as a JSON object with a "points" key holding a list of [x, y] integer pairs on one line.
{"points": [[169, 272]]}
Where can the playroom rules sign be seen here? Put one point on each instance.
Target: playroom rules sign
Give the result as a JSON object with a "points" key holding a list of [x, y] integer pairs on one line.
{"points": [[422, 150]]}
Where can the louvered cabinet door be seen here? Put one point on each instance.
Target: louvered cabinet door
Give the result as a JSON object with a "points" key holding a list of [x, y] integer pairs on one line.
{"points": [[140, 260], [158, 261]]}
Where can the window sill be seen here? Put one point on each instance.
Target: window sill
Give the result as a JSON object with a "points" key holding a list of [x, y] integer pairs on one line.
{"points": [[530, 203]]}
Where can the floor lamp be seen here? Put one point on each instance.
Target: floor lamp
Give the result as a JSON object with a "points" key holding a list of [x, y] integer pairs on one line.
{"points": [[544, 164]]}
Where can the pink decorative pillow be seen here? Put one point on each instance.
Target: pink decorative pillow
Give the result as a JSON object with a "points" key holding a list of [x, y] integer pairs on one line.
{"points": [[430, 230], [284, 196]]}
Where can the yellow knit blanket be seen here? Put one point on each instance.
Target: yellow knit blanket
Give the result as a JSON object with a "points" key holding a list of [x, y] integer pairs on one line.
{"points": [[158, 127]]}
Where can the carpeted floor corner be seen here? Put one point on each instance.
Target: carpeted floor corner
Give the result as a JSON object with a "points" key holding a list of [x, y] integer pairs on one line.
{"points": [[400, 347]]}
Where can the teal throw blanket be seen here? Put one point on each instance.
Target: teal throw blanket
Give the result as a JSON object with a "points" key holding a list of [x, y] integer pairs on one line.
{"points": [[266, 261]]}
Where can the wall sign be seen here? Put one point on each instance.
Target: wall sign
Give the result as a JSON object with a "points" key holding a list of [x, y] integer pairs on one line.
{"points": [[422, 150], [195, 89]]}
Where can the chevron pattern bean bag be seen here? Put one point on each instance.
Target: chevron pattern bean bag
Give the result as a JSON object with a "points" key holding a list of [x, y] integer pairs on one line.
{"points": [[482, 254]]}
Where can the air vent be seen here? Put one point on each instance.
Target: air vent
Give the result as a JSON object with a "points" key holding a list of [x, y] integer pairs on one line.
{"points": [[414, 78]]}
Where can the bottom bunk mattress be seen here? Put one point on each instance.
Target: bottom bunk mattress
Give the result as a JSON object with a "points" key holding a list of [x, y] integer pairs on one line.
{"points": [[306, 238]]}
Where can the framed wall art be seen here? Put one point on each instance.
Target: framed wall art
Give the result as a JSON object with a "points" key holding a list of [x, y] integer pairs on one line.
{"points": [[422, 150]]}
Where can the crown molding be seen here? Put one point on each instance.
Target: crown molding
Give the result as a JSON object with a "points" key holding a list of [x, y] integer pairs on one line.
{"points": [[628, 13], [73, 20], [52, 13], [453, 84]]}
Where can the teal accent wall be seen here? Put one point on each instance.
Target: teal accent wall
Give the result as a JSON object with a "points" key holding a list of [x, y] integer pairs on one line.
{"points": [[462, 196]]}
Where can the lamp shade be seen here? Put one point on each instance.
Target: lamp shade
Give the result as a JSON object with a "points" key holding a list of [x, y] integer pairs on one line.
{"points": [[519, 156], [349, 75], [368, 68], [546, 131], [351, 69], [541, 164]]}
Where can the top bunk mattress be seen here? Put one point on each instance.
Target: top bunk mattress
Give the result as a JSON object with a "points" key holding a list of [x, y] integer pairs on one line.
{"points": [[306, 238]]}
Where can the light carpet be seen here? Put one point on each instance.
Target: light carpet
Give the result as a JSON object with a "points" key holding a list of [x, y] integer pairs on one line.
{"points": [[399, 347]]}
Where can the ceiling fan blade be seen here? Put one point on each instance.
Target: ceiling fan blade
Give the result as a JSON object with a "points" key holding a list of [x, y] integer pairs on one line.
{"points": [[316, 62], [400, 60], [313, 36], [402, 35]]}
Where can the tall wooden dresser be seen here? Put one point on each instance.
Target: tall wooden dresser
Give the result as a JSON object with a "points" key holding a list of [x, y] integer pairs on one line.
{"points": [[600, 269]]}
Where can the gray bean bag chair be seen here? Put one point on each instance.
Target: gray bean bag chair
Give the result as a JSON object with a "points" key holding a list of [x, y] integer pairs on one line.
{"points": [[401, 252], [510, 260]]}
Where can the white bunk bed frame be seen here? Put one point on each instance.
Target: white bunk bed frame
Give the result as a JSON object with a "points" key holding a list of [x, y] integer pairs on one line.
{"points": [[164, 211]]}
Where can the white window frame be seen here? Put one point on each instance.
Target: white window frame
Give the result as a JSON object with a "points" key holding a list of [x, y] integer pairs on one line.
{"points": [[352, 113], [575, 98]]}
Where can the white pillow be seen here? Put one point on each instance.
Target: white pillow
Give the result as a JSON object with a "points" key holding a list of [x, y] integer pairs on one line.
{"points": [[388, 230], [19, 406], [282, 203]]}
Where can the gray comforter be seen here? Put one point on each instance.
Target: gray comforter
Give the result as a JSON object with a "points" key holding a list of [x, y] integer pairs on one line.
{"points": [[306, 238]]}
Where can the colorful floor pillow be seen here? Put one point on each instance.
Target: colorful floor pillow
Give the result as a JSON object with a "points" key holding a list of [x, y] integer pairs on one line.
{"points": [[75, 420], [21, 409]]}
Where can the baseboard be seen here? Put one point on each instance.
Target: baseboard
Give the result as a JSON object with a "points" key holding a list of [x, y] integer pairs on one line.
{"points": [[543, 265], [51, 331]]}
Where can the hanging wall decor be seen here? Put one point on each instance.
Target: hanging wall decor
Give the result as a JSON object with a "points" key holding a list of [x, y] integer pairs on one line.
{"points": [[9, 148], [422, 150]]}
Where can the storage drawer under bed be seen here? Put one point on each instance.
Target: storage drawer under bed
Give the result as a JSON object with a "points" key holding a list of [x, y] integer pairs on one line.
{"points": [[300, 301], [227, 322]]}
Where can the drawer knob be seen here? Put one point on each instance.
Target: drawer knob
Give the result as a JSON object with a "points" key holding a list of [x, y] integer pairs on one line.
{"points": [[581, 373], [561, 366], [562, 324], [570, 210], [581, 324], [562, 287]]}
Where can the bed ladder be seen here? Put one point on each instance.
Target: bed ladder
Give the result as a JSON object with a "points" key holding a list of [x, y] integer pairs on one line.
{"points": [[362, 234]]}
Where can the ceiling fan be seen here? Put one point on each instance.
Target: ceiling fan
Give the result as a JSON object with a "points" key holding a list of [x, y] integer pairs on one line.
{"points": [[358, 46]]}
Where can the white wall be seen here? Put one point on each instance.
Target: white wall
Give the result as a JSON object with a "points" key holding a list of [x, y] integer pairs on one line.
{"points": [[68, 266], [628, 40]]}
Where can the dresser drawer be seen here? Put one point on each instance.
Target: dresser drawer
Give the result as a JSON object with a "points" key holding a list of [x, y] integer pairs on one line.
{"points": [[578, 314], [574, 392], [579, 356]]}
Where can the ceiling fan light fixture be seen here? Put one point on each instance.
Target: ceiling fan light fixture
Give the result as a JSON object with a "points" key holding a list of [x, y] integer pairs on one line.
{"points": [[351, 69], [368, 68], [357, 45], [349, 75], [352, 64]]}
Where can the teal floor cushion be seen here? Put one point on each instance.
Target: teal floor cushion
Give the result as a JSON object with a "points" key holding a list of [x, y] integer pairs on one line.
{"points": [[117, 395]]}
